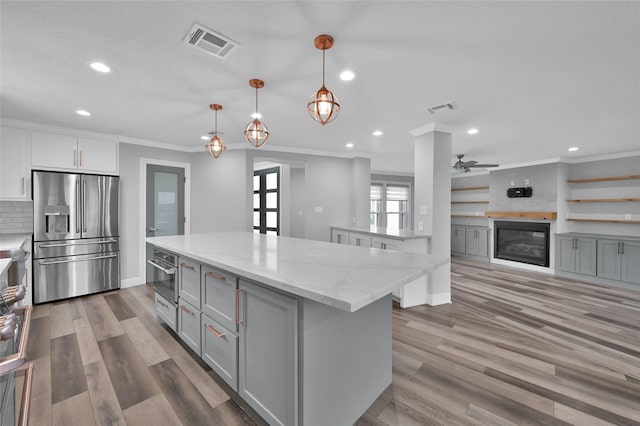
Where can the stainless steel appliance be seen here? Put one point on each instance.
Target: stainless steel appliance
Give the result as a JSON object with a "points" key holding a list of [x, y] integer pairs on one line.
{"points": [[76, 235], [164, 274]]}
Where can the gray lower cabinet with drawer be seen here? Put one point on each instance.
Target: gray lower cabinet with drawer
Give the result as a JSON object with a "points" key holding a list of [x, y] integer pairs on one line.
{"points": [[220, 350], [189, 325], [220, 296], [619, 260], [189, 281], [471, 241], [166, 311]]}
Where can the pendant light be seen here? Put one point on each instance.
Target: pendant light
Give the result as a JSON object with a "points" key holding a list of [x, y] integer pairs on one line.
{"points": [[215, 146], [323, 106], [256, 132]]}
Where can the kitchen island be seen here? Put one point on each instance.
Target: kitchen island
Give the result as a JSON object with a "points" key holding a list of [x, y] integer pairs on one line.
{"points": [[300, 329]]}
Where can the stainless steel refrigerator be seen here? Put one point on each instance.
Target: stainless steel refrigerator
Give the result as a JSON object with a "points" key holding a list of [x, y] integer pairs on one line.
{"points": [[75, 234]]}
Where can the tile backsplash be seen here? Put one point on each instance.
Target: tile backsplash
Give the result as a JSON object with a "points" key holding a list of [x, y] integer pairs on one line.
{"points": [[16, 216]]}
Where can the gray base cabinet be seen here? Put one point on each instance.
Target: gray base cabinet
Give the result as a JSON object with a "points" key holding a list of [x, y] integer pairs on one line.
{"points": [[458, 239], [470, 241], [619, 260], [576, 255], [219, 296], [268, 353], [189, 281], [220, 350], [166, 312], [189, 325]]}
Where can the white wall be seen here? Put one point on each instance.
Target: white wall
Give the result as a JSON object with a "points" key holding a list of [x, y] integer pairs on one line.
{"points": [[130, 232], [297, 200]]}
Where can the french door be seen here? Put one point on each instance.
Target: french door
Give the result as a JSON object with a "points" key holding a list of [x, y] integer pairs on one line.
{"points": [[266, 201]]}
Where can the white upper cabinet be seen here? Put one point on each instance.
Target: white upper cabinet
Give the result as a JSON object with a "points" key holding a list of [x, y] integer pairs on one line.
{"points": [[56, 151], [14, 164]]}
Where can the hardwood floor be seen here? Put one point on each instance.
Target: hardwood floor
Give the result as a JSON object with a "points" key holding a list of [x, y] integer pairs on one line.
{"points": [[514, 348]]}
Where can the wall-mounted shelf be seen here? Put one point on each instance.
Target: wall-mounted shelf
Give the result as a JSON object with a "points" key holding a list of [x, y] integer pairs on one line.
{"points": [[604, 179], [468, 215], [522, 214], [605, 200], [469, 202], [604, 220], [470, 188]]}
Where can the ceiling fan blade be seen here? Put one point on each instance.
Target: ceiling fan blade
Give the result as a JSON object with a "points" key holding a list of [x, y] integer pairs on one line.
{"points": [[468, 163], [483, 165]]}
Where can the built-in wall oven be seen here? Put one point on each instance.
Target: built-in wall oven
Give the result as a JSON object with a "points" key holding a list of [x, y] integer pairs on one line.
{"points": [[164, 277]]}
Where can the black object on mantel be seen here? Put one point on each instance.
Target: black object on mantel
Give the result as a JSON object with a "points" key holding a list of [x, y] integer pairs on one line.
{"points": [[525, 191]]}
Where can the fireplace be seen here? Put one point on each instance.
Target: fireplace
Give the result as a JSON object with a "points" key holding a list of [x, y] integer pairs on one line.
{"points": [[525, 242]]}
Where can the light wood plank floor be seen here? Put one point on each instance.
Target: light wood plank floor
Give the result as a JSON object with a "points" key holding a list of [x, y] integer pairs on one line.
{"points": [[514, 348]]}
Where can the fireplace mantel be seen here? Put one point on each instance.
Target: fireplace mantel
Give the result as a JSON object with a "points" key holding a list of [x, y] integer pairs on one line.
{"points": [[522, 215]]}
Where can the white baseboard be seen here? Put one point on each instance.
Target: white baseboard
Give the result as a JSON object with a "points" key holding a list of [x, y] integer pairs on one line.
{"points": [[131, 282], [520, 265]]}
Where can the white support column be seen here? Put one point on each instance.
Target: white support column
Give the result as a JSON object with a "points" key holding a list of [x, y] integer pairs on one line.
{"points": [[432, 201]]}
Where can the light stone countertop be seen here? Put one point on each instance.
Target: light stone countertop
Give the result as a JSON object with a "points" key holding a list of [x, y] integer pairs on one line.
{"points": [[10, 242], [399, 234], [343, 276]]}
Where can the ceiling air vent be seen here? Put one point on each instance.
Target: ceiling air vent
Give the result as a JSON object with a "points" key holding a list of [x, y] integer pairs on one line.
{"points": [[210, 41], [448, 105]]}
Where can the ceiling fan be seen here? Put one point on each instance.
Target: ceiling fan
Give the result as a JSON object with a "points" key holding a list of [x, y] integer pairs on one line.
{"points": [[465, 166]]}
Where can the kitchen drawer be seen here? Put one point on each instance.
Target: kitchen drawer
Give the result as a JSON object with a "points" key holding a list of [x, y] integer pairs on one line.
{"points": [[189, 325], [360, 240], [166, 312], [220, 350], [219, 296], [386, 243], [189, 282]]}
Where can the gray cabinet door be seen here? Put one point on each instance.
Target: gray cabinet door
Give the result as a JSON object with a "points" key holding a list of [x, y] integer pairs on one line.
{"points": [[458, 239], [631, 261], [482, 242], [219, 296], [166, 311], [566, 254], [471, 241], [189, 325], [189, 281], [220, 350], [609, 259], [586, 258], [268, 355]]}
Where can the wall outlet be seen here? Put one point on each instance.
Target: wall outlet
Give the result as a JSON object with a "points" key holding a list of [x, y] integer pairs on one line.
{"points": [[513, 182], [420, 226], [318, 209], [353, 220], [526, 181], [424, 210]]}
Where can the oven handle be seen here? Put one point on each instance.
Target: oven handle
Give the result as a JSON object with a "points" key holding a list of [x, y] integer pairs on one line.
{"points": [[78, 244], [165, 270], [55, 262]]}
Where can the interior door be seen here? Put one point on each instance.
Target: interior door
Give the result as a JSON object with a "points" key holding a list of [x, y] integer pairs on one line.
{"points": [[164, 205]]}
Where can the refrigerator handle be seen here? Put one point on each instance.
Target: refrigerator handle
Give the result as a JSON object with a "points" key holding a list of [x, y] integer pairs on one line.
{"points": [[78, 206], [84, 200]]}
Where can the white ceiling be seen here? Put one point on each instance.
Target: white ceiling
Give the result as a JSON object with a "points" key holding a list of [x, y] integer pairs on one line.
{"points": [[534, 77]]}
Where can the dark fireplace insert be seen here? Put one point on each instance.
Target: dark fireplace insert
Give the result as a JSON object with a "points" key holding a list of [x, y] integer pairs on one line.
{"points": [[526, 242]]}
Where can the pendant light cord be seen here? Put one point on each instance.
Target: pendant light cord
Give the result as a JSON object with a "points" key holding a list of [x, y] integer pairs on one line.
{"points": [[256, 103], [323, 50]]}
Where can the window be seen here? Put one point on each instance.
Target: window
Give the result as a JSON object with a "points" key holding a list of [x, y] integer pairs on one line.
{"points": [[266, 201], [390, 205]]}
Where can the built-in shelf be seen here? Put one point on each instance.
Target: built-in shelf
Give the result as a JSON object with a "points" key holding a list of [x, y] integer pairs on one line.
{"points": [[470, 188], [468, 215], [605, 200], [522, 214], [604, 220], [469, 202], [604, 179]]}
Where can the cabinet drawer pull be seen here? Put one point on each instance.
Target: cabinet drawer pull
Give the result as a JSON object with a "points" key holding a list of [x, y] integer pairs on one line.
{"points": [[217, 277], [357, 241], [214, 331], [80, 158], [238, 320], [187, 310], [161, 303], [22, 185], [74, 157], [339, 239], [186, 265]]}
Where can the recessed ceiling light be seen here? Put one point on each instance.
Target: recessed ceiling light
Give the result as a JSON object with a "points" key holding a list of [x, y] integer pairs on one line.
{"points": [[83, 112], [349, 145], [472, 131], [100, 67], [205, 138], [377, 133], [573, 148], [256, 115], [347, 75]]}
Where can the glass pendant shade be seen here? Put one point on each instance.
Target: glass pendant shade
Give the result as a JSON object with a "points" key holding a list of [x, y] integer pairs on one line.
{"points": [[256, 132], [323, 105], [215, 145]]}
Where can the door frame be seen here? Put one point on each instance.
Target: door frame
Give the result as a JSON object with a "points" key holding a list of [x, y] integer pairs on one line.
{"points": [[142, 225]]}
